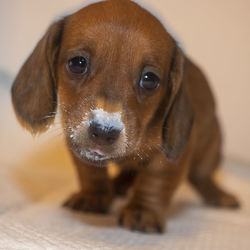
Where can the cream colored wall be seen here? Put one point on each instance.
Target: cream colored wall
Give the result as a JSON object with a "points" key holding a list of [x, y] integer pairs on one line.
{"points": [[214, 33]]}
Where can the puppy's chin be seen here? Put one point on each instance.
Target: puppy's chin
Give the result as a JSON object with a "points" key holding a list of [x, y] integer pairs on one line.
{"points": [[93, 156]]}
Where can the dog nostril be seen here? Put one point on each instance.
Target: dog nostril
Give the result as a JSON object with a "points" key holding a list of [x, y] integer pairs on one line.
{"points": [[94, 135]]}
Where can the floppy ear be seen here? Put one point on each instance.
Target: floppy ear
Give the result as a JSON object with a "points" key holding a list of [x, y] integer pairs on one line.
{"points": [[179, 114], [34, 94]]}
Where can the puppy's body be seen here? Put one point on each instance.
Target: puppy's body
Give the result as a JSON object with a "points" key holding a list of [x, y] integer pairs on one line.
{"points": [[128, 95]]}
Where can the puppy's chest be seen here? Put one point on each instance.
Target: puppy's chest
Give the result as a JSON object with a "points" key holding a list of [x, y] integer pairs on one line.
{"points": [[115, 168]]}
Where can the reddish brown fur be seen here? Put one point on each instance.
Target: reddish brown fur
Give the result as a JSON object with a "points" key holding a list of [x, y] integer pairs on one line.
{"points": [[171, 132]]}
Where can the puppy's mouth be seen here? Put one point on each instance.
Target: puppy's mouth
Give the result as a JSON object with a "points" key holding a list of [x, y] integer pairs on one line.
{"points": [[95, 155], [92, 156]]}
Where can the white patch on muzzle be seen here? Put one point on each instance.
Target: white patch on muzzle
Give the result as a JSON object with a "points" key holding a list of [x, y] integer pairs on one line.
{"points": [[79, 134], [107, 119]]}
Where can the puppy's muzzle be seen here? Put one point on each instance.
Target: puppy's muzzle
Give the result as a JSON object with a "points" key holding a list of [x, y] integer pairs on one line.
{"points": [[102, 134]]}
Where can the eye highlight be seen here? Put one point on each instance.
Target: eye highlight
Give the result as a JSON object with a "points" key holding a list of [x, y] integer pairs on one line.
{"points": [[77, 65], [149, 81]]}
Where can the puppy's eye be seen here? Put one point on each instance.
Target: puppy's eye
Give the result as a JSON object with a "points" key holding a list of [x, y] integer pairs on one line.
{"points": [[149, 81], [77, 65]]}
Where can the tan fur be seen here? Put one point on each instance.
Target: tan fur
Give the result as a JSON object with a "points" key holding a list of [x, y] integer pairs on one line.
{"points": [[169, 133]]}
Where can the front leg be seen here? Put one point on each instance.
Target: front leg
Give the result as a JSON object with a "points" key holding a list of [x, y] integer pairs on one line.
{"points": [[153, 189], [95, 194]]}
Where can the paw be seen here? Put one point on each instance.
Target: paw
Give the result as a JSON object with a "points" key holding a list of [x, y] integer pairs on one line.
{"points": [[142, 220], [85, 202], [223, 199]]}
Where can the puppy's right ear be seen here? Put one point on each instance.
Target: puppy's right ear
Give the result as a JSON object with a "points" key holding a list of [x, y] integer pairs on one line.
{"points": [[179, 112], [34, 94]]}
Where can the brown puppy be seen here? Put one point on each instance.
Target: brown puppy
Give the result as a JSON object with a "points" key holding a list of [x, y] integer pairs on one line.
{"points": [[128, 95]]}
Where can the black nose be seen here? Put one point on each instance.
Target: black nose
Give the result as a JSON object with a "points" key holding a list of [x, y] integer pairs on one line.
{"points": [[103, 135]]}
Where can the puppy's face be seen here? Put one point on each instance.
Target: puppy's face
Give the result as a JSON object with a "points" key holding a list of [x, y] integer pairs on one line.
{"points": [[112, 71], [117, 74]]}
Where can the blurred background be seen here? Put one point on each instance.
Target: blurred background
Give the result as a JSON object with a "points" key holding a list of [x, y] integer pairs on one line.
{"points": [[215, 34]]}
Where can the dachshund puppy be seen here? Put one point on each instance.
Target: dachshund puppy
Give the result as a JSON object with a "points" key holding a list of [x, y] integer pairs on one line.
{"points": [[128, 96]]}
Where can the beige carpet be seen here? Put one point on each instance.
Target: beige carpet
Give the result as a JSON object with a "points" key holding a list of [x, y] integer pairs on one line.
{"points": [[36, 175]]}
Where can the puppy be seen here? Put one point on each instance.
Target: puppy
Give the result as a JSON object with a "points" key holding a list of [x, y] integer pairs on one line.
{"points": [[128, 96]]}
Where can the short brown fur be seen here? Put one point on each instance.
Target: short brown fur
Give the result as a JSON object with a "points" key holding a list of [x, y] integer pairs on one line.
{"points": [[172, 132]]}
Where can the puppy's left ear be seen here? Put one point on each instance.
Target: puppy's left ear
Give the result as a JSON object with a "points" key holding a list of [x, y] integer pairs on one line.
{"points": [[34, 94], [179, 114]]}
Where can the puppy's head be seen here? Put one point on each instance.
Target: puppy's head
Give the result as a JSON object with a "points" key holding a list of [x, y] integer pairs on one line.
{"points": [[117, 74]]}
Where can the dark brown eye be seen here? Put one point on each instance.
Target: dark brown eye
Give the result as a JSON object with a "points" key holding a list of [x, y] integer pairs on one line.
{"points": [[78, 65], [149, 81]]}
